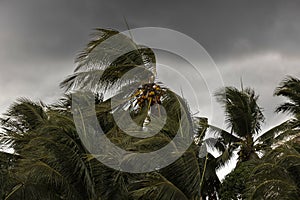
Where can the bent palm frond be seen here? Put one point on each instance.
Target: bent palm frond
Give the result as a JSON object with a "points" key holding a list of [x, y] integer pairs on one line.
{"points": [[106, 59]]}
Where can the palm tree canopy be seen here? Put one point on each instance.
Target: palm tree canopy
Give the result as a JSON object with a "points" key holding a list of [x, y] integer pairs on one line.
{"points": [[55, 164], [243, 115], [51, 163], [289, 88], [276, 174]]}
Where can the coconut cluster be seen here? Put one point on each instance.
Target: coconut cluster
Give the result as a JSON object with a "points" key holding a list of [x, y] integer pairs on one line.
{"points": [[148, 94]]}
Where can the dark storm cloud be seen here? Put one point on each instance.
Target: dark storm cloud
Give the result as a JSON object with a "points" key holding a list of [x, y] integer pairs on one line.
{"points": [[48, 28], [225, 27], [60, 28]]}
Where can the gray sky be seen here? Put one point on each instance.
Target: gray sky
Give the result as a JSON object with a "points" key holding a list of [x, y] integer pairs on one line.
{"points": [[256, 40]]}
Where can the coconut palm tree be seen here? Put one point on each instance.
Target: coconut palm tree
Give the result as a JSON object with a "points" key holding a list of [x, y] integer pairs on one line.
{"points": [[102, 66], [244, 119], [243, 116], [54, 163], [279, 135]]}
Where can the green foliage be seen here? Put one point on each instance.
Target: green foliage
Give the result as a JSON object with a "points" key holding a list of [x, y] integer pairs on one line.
{"points": [[289, 88], [276, 175], [234, 185], [55, 165], [244, 118], [7, 178], [51, 154], [106, 59], [242, 113]]}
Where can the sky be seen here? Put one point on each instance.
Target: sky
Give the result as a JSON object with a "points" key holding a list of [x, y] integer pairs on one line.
{"points": [[256, 41]]}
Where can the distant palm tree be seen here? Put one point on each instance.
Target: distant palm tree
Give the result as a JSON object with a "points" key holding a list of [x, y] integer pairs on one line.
{"points": [[270, 177], [243, 116], [244, 119]]}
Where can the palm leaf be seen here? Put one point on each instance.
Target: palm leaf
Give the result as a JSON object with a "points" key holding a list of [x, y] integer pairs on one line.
{"points": [[106, 59], [290, 88], [155, 186]]}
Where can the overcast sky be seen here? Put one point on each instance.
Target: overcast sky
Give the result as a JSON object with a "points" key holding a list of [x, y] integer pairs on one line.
{"points": [[256, 40]]}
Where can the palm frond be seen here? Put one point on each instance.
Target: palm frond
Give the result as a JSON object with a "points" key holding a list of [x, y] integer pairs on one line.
{"points": [[275, 176], [155, 186], [289, 88], [106, 59], [242, 113], [267, 138], [24, 115]]}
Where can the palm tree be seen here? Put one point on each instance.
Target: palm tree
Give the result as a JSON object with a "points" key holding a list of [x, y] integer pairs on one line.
{"points": [[51, 163], [265, 169], [101, 67], [276, 175], [106, 59], [244, 119], [243, 116]]}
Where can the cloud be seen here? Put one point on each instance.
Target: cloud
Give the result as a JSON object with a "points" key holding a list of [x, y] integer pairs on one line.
{"points": [[37, 83], [263, 73], [60, 28]]}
